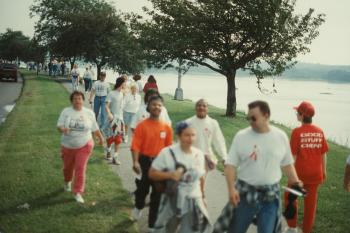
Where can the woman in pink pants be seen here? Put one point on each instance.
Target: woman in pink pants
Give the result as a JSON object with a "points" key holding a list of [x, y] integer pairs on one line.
{"points": [[76, 124]]}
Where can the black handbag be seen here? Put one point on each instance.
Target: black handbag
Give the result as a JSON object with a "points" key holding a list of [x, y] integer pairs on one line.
{"points": [[169, 187]]}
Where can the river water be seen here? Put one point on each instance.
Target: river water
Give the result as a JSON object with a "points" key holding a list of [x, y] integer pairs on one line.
{"points": [[331, 100]]}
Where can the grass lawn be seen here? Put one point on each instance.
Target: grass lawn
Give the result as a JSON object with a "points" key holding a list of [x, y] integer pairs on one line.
{"points": [[30, 166], [333, 203]]}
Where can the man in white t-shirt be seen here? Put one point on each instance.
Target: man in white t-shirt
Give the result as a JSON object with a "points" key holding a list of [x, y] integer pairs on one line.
{"points": [[208, 134], [254, 163], [100, 89]]}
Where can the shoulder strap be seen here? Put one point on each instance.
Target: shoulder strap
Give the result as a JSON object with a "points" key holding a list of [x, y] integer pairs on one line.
{"points": [[173, 155]]}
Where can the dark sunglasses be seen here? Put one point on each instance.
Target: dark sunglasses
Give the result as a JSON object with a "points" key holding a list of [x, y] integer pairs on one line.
{"points": [[252, 118]]}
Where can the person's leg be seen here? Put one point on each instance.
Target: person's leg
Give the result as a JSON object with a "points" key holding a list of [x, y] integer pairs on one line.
{"points": [[97, 105], [154, 206], [90, 85], [143, 186], [292, 223], [310, 204], [82, 157], [68, 164], [103, 117], [117, 141], [267, 216], [86, 84], [244, 214]]}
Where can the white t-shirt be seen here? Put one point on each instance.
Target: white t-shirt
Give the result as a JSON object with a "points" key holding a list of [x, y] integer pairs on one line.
{"points": [[87, 74], [132, 102], [116, 100], [194, 163], [142, 114], [75, 73], [101, 88], [208, 134], [81, 124], [139, 86], [260, 156]]}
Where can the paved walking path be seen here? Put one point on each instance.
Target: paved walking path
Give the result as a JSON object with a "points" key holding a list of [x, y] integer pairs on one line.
{"points": [[215, 189]]}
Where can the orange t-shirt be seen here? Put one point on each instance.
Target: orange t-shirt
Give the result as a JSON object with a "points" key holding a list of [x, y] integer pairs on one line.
{"points": [[308, 144], [151, 136]]}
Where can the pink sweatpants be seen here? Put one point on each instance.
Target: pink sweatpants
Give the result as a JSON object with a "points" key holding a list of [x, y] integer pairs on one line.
{"points": [[74, 162]]}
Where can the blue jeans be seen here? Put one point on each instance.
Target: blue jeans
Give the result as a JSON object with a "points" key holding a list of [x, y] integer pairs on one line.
{"points": [[100, 102], [266, 213]]}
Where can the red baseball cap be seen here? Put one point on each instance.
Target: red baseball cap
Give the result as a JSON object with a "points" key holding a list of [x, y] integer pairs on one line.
{"points": [[306, 109]]}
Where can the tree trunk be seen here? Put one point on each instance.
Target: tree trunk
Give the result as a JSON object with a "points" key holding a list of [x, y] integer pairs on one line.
{"points": [[99, 67], [231, 102]]}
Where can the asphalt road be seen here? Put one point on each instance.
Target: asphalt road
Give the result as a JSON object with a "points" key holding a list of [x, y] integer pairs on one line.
{"points": [[9, 93]]}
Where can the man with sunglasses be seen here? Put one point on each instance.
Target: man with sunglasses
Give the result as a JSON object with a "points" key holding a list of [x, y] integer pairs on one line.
{"points": [[309, 148], [257, 157]]}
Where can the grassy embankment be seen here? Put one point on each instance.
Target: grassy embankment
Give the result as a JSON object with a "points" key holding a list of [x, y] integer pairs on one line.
{"points": [[30, 166], [333, 202]]}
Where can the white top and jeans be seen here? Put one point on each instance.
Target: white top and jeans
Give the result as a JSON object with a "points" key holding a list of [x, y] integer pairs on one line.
{"points": [[81, 124], [208, 134], [259, 158], [131, 106]]}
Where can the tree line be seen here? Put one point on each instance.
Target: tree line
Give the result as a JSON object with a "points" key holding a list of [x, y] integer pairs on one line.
{"points": [[260, 36]]}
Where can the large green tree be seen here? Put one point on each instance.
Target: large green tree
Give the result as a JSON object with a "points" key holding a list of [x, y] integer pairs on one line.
{"points": [[86, 29], [263, 36], [13, 45]]}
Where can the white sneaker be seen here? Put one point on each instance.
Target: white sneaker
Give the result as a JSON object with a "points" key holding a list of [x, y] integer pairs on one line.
{"points": [[136, 214], [290, 230], [79, 198], [68, 186], [115, 160]]}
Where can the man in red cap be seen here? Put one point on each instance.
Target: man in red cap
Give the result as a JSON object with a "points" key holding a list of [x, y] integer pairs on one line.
{"points": [[309, 148]]}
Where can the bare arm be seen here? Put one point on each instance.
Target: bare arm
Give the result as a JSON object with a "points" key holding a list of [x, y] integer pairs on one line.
{"points": [[289, 171], [230, 174], [135, 162], [63, 130], [108, 110], [157, 175], [92, 93], [98, 134]]}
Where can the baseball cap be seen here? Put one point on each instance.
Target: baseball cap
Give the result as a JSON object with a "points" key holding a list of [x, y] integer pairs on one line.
{"points": [[306, 109]]}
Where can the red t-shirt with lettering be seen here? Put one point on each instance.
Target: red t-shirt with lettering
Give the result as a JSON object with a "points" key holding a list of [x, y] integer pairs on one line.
{"points": [[308, 145]]}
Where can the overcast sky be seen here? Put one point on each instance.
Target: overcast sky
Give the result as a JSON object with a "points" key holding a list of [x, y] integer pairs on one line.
{"points": [[331, 47]]}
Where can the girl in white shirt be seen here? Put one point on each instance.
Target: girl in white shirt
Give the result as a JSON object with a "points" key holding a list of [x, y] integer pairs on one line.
{"points": [[184, 211], [132, 104]]}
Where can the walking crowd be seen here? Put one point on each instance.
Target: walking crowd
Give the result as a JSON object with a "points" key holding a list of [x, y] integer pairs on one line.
{"points": [[174, 173]]}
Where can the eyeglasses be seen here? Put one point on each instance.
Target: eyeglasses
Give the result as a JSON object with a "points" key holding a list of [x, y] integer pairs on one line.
{"points": [[251, 118]]}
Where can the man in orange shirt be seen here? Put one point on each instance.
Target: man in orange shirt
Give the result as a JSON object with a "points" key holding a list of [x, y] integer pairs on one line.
{"points": [[150, 137], [309, 147]]}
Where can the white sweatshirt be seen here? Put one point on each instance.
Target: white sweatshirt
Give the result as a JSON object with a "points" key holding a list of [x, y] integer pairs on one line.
{"points": [[208, 134]]}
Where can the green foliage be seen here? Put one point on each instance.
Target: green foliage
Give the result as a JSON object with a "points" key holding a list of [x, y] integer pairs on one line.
{"points": [[31, 172], [13, 45], [89, 29], [227, 35]]}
